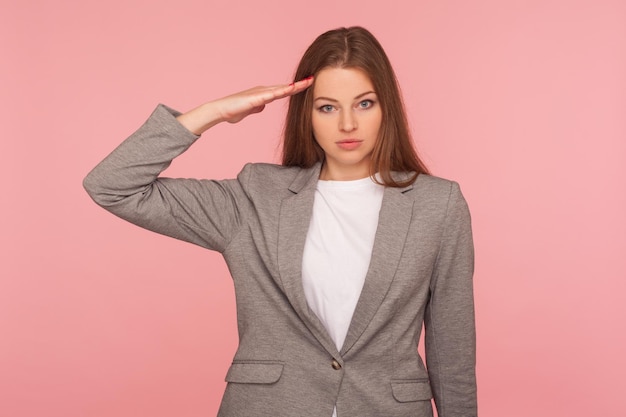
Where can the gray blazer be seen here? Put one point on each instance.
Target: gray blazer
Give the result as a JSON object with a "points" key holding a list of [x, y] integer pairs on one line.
{"points": [[286, 364]]}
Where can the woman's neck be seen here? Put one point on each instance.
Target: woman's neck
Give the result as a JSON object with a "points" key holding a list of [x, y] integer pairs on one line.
{"points": [[334, 174]]}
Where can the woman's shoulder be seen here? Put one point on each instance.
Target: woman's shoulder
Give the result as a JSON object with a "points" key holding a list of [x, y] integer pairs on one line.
{"points": [[268, 171], [272, 169], [265, 176], [432, 182], [436, 188]]}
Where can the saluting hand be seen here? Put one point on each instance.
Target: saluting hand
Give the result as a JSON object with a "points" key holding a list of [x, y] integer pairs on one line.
{"points": [[237, 106]]}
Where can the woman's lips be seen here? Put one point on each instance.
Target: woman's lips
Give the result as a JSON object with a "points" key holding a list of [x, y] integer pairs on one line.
{"points": [[349, 144]]}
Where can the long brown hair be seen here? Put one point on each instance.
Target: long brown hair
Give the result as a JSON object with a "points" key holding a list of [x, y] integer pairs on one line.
{"points": [[353, 47]]}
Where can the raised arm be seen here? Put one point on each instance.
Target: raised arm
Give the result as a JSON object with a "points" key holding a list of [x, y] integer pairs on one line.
{"points": [[207, 213]]}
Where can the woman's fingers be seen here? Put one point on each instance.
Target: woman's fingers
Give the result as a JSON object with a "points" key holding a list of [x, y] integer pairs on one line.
{"points": [[258, 109], [281, 91], [300, 85], [235, 107], [238, 106]]}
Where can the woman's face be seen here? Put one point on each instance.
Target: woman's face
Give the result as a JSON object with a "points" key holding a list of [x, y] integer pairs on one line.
{"points": [[346, 122]]}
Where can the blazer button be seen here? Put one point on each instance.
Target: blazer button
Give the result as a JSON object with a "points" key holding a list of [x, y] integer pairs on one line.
{"points": [[336, 365]]}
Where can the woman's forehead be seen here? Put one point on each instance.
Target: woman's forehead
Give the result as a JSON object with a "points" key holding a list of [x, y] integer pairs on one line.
{"points": [[342, 83]]}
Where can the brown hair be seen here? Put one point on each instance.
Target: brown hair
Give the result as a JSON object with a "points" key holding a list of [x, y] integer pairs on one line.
{"points": [[353, 47]]}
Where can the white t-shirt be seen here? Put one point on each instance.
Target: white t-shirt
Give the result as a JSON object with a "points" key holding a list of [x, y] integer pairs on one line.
{"points": [[338, 250]]}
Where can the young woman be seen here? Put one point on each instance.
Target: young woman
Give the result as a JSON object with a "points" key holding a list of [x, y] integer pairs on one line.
{"points": [[338, 256]]}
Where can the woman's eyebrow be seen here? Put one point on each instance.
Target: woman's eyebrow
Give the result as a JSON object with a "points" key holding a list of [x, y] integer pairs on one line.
{"points": [[335, 100]]}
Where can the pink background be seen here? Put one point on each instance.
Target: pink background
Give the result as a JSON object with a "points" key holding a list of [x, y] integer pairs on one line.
{"points": [[522, 102]]}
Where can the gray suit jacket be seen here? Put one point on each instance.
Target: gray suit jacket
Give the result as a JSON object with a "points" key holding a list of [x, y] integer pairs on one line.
{"points": [[286, 364]]}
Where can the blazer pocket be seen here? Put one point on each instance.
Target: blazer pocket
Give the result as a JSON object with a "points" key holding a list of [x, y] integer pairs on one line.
{"points": [[254, 372], [408, 390]]}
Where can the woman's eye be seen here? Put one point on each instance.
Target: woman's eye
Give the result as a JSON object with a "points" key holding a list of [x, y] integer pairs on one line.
{"points": [[326, 108], [366, 104]]}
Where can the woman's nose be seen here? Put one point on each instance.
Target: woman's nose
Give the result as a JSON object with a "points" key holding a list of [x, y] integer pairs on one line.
{"points": [[347, 123]]}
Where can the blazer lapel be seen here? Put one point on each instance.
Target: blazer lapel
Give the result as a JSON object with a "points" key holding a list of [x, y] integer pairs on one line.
{"points": [[295, 217], [393, 224]]}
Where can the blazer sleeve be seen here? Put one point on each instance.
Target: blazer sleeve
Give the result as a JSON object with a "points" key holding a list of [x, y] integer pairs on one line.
{"points": [[449, 319], [127, 183]]}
